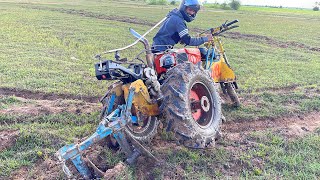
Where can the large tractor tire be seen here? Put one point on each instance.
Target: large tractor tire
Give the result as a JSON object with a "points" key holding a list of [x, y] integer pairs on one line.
{"points": [[143, 132], [191, 105]]}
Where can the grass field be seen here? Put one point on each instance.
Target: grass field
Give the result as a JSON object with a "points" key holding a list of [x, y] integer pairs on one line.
{"points": [[47, 47]]}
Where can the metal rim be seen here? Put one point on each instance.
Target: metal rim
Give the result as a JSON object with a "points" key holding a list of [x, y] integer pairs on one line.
{"points": [[142, 125], [201, 104]]}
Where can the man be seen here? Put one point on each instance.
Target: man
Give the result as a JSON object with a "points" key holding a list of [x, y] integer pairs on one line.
{"points": [[175, 30]]}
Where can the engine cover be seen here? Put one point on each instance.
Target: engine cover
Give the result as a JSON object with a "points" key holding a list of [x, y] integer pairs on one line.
{"points": [[173, 57]]}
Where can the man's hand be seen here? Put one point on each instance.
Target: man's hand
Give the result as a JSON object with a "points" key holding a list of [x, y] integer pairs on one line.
{"points": [[210, 38]]}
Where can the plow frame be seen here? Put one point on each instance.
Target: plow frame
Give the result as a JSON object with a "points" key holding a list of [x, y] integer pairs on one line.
{"points": [[113, 124]]}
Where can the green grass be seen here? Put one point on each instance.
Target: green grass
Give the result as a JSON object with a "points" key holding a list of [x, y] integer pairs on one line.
{"points": [[280, 158], [45, 48], [41, 136], [52, 51], [5, 102]]}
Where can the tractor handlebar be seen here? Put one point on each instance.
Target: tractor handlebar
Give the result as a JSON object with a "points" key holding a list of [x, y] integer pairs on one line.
{"points": [[224, 27], [232, 22], [220, 29]]}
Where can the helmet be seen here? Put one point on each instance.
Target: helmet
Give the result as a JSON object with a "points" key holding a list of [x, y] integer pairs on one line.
{"points": [[193, 4]]}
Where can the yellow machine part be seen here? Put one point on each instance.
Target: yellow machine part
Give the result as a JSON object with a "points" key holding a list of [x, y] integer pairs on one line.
{"points": [[116, 88], [141, 100], [221, 72]]}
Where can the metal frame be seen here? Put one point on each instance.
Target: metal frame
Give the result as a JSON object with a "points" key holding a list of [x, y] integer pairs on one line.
{"points": [[112, 124]]}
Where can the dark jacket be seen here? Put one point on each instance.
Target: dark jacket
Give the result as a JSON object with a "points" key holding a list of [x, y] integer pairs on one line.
{"points": [[173, 30]]}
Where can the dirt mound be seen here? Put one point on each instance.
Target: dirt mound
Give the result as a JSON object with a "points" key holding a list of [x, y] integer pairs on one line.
{"points": [[296, 126], [115, 171], [45, 96], [8, 138], [36, 107]]}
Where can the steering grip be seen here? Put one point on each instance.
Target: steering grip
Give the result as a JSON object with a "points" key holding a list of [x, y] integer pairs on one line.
{"points": [[232, 22]]}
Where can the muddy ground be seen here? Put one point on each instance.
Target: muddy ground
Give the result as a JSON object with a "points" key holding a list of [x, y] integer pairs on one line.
{"points": [[49, 168]]}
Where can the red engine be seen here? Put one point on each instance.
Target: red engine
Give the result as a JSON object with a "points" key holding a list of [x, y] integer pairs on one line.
{"points": [[186, 54]]}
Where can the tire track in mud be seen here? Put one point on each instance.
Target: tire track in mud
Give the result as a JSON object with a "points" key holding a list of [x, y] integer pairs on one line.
{"points": [[45, 96], [35, 104], [231, 35], [266, 40], [125, 19], [270, 41]]}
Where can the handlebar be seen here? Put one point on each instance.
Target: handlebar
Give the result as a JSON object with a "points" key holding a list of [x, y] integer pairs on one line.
{"points": [[232, 22], [224, 27]]}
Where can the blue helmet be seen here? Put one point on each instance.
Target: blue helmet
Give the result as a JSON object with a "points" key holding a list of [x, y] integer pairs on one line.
{"points": [[193, 4]]}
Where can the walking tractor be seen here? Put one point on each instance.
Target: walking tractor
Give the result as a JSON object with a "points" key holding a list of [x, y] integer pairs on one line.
{"points": [[178, 84]]}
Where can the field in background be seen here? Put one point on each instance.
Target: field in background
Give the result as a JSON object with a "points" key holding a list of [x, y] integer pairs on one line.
{"points": [[46, 56]]}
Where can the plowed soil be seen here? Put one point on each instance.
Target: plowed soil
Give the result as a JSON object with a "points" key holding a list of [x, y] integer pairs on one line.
{"points": [[291, 127], [37, 107], [44, 96]]}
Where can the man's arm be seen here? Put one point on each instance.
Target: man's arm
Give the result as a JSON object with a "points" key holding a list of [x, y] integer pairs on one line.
{"points": [[186, 38]]}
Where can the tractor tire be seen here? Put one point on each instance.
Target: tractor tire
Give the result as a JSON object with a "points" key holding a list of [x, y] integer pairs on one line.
{"points": [[231, 91], [143, 133], [191, 105]]}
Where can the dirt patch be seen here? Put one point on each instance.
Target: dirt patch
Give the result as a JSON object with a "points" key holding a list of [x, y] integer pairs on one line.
{"points": [[45, 96], [20, 174], [125, 19], [266, 40], [36, 107], [271, 41], [115, 171], [43, 169], [8, 138], [296, 126]]}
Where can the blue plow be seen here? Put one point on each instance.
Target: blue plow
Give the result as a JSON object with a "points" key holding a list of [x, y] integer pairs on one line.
{"points": [[113, 124]]}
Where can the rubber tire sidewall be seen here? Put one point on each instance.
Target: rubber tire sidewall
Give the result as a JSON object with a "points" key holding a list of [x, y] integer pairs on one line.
{"points": [[176, 104]]}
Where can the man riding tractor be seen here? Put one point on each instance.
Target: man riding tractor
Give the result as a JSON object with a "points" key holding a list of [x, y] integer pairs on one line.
{"points": [[175, 29]]}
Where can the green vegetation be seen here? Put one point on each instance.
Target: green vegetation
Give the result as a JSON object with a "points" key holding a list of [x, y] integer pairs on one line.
{"points": [[157, 2], [232, 5], [48, 46], [316, 6], [272, 156], [7, 101], [235, 4], [41, 136]]}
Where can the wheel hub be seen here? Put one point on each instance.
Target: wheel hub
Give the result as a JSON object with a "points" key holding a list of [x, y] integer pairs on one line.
{"points": [[205, 104]]}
